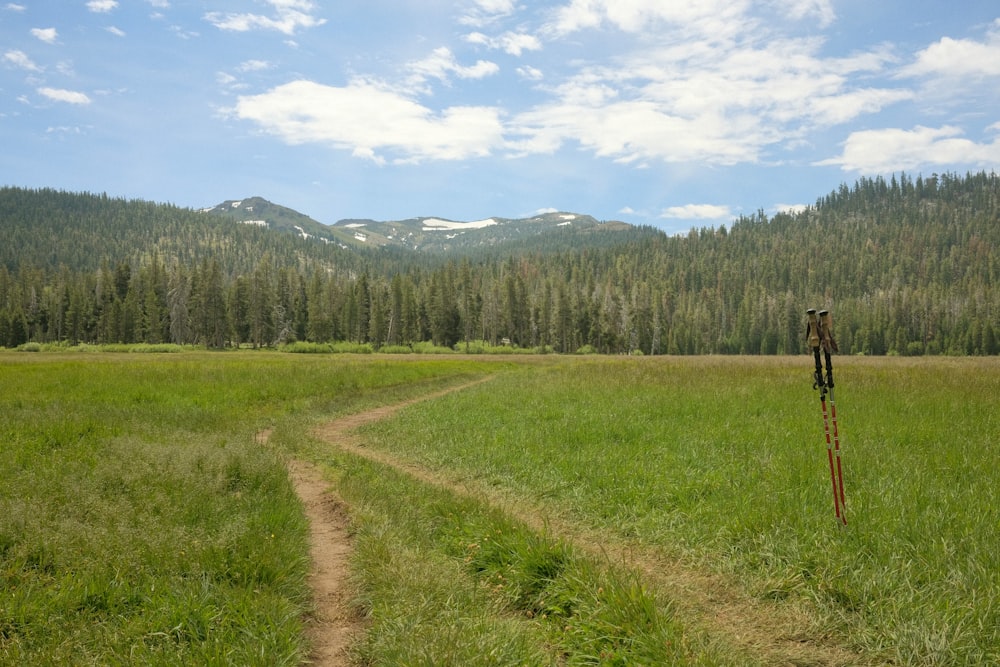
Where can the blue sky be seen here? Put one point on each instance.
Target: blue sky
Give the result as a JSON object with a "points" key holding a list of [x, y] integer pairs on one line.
{"points": [[671, 113]]}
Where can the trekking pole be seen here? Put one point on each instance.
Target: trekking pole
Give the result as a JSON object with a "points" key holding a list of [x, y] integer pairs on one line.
{"points": [[830, 345], [814, 334]]}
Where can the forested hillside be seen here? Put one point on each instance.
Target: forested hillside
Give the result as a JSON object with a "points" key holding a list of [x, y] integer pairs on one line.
{"points": [[51, 230], [906, 266]]}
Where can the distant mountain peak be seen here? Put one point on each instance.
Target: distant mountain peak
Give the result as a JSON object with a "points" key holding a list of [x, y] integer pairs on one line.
{"points": [[262, 213], [424, 233]]}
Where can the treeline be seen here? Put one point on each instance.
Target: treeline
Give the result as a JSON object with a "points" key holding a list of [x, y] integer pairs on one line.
{"points": [[906, 266]]}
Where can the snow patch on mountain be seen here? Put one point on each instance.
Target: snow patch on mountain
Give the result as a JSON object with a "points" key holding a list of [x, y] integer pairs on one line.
{"points": [[436, 224]]}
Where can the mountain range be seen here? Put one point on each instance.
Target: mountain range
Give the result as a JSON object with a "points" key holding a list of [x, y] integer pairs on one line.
{"points": [[425, 234]]}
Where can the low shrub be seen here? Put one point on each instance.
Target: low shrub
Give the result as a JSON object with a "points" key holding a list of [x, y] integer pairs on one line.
{"points": [[396, 349], [303, 347], [345, 347], [428, 347]]}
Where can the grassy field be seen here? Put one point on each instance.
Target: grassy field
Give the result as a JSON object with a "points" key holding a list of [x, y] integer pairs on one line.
{"points": [[140, 521], [721, 462]]}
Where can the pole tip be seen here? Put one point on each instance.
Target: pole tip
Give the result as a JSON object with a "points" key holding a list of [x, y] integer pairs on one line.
{"points": [[811, 311]]}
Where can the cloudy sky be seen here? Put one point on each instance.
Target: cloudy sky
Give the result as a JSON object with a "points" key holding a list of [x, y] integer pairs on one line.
{"points": [[674, 113]]}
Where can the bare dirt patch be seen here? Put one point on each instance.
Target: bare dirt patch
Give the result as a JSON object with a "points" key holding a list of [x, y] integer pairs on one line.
{"points": [[777, 633]]}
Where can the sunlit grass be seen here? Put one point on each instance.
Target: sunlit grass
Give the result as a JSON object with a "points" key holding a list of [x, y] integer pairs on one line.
{"points": [[722, 461], [450, 580], [141, 522]]}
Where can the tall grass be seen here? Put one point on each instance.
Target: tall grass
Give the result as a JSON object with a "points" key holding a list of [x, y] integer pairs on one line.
{"points": [[452, 581], [722, 462], [141, 522]]}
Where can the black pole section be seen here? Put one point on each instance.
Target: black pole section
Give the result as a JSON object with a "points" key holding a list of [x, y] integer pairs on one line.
{"points": [[827, 343], [814, 336]]}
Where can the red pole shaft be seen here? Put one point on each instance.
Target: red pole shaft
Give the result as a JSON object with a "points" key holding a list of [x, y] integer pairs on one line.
{"points": [[829, 454], [836, 447]]}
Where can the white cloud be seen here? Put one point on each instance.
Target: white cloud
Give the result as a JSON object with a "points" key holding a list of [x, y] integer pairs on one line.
{"points": [[790, 208], [484, 12], [62, 95], [699, 100], [47, 35], [848, 105], [633, 131], [697, 212], [63, 130], [65, 67], [819, 10], [503, 7], [183, 33], [890, 150], [702, 17], [20, 60], [708, 82], [957, 58], [720, 64], [117, 32], [101, 6], [514, 43], [13, 7], [231, 82], [289, 16], [441, 64], [368, 119], [254, 65], [159, 4], [530, 73], [714, 19], [477, 38]]}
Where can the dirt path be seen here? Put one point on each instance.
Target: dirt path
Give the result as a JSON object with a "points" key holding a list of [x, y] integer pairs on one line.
{"points": [[333, 625], [778, 633]]}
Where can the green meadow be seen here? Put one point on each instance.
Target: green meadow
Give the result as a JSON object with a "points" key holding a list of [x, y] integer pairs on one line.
{"points": [[143, 522]]}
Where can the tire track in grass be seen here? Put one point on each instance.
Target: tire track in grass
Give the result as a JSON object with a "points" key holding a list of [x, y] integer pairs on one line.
{"points": [[774, 633]]}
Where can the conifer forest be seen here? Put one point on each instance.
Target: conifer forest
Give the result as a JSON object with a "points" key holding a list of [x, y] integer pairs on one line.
{"points": [[907, 266]]}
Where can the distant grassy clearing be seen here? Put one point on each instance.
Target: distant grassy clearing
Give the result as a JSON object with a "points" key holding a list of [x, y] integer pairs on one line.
{"points": [[722, 461]]}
